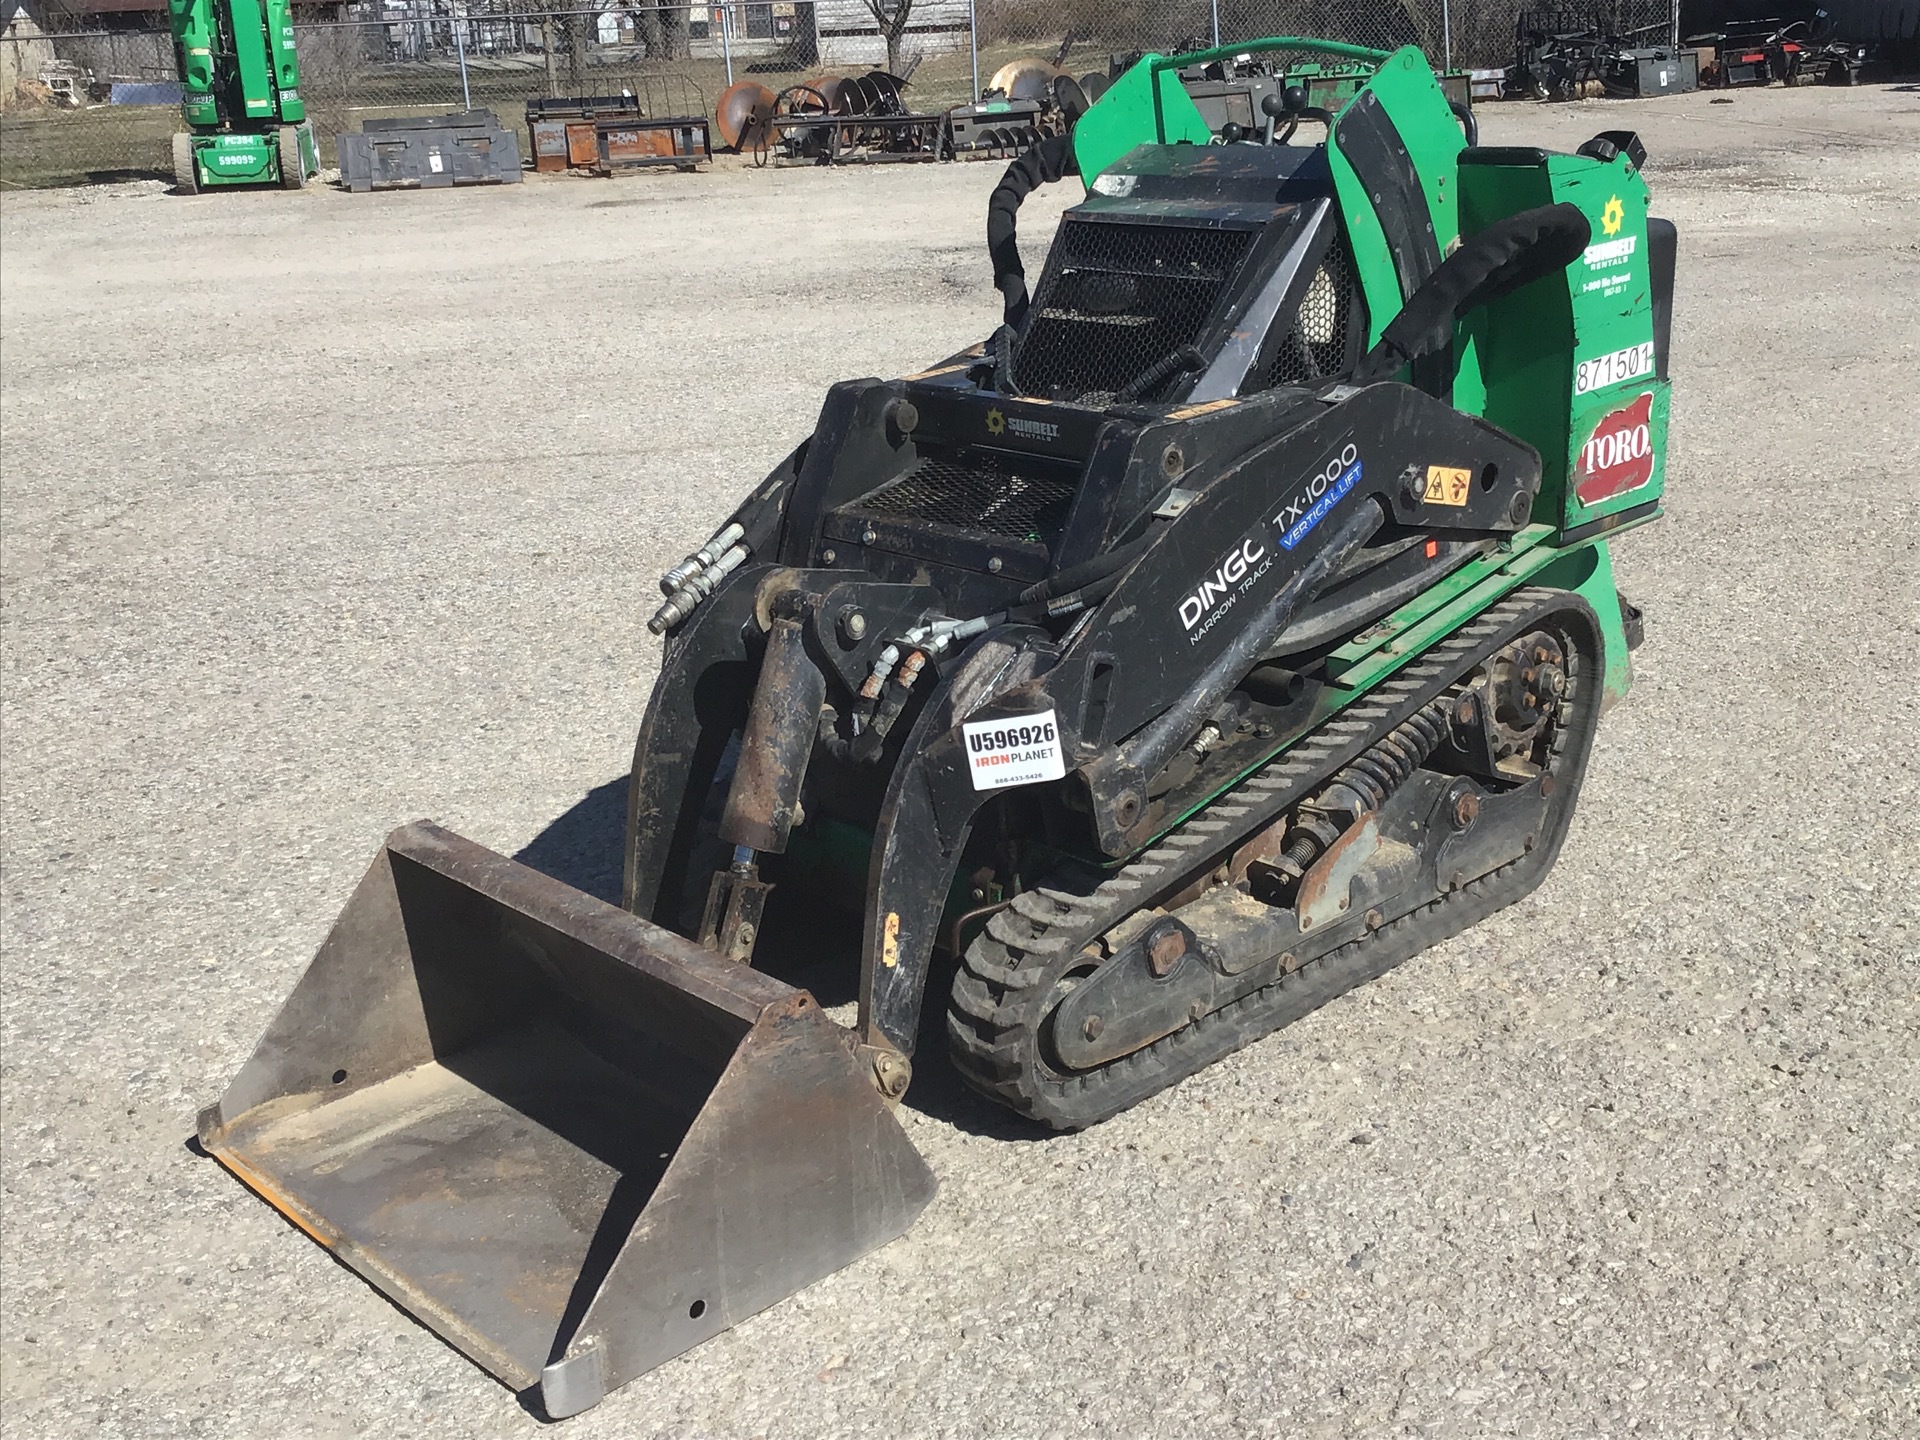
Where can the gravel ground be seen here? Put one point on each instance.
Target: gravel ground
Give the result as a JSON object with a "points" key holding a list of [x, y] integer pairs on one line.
{"points": [[326, 512]]}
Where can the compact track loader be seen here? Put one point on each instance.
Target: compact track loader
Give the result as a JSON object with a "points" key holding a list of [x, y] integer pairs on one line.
{"points": [[1228, 627]]}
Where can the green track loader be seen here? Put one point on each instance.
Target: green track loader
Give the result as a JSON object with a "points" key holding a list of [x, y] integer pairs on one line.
{"points": [[240, 95], [1231, 625]]}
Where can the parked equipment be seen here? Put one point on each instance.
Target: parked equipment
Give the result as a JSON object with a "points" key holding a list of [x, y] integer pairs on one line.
{"points": [[1230, 626], [664, 123], [1577, 51], [429, 152], [839, 120], [1649, 70], [240, 96], [1246, 90]]}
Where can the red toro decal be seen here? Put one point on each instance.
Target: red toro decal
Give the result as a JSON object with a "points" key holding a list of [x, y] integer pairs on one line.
{"points": [[1618, 456]]}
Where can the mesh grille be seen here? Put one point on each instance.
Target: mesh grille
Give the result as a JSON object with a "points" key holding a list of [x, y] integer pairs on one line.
{"points": [[1115, 298], [1315, 347], [985, 494]]}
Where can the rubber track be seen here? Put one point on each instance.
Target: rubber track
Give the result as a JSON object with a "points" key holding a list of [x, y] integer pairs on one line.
{"points": [[995, 1008]]}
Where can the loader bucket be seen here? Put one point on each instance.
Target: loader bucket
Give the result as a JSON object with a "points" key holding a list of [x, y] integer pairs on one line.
{"points": [[570, 1142]]}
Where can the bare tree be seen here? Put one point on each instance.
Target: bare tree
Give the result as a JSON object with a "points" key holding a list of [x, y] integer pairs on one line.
{"points": [[675, 42], [646, 24], [891, 16], [575, 27]]}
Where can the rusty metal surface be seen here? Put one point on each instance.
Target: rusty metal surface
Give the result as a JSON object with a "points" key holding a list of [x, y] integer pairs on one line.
{"points": [[742, 113], [583, 146], [1028, 78], [777, 744], [629, 143], [1323, 895], [550, 148], [569, 1142]]}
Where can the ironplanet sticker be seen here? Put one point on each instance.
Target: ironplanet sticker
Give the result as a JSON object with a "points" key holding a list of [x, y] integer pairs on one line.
{"points": [[1022, 750]]}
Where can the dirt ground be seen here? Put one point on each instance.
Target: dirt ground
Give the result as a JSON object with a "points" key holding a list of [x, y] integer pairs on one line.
{"points": [[325, 512]]}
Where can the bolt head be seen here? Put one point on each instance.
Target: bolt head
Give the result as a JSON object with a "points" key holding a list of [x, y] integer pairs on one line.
{"points": [[827, 557], [868, 536], [996, 565], [1093, 1027], [853, 624], [1165, 951]]}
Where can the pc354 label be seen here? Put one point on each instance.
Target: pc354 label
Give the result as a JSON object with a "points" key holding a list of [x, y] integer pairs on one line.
{"points": [[1021, 750]]}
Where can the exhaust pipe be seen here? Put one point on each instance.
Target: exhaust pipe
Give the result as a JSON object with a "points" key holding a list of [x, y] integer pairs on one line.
{"points": [[571, 1143]]}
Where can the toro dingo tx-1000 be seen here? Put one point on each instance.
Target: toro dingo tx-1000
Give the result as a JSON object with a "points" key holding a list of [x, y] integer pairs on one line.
{"points": [[1229, 627]]}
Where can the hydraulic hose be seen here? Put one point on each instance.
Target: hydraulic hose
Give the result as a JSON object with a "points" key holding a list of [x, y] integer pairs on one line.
{"points": [[1075, 577], [1047, 162]]}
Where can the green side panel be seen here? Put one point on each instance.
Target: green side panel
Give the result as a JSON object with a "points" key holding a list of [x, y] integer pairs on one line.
{"points": [[1142, 107], [1407, 90], [1588, 572], [193, 40], [1567, 364], [286, 69], [250, 59], [236, 159]]}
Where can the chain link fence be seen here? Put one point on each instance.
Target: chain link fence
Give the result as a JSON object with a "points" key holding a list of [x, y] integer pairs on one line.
{"points": [[79, 106]]}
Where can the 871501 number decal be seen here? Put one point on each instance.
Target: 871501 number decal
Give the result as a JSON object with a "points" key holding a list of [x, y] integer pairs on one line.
{"points": [[1018, 750], [1615, 369]]}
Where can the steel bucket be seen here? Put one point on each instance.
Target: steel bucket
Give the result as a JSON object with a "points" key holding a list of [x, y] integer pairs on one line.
{"points": [[570, 1142]]}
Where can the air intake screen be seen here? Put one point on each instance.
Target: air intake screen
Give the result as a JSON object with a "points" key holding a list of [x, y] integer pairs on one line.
{"points": [[984, 495], [1116, 298], [1315, 346]]}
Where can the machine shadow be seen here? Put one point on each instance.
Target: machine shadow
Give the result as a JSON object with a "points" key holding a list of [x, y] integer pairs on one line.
{"points": [[585, 847]]}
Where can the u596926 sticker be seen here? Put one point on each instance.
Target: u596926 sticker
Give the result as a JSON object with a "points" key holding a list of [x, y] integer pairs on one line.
{"points": [[1019, 750]]}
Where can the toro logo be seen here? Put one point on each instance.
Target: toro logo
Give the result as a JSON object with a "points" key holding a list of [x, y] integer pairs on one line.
{"points": [[1618, 456], [1227, 574]]}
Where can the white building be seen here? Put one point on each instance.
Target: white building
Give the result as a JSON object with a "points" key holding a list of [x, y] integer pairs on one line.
{"points": [[849, 35]]}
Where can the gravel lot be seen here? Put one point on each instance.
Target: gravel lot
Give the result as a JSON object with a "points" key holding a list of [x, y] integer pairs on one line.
{"points": [[324, 512]]}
